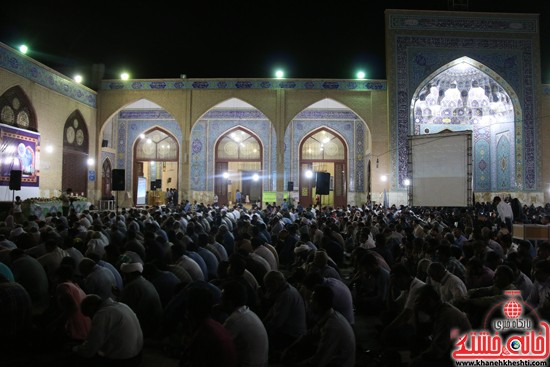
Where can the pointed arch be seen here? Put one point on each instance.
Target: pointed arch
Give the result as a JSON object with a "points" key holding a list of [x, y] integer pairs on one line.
{"points": [[156, 156], [75, 154], [465, 94], [323, 150], [17, 110], [224, 117], [234, 108], [238, 165], [342, 120]]}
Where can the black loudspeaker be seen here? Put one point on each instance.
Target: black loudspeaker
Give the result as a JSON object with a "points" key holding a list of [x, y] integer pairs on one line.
{"points": [[323, 183], [290, 186], [15, 180], [104, 143], [117, 180]]}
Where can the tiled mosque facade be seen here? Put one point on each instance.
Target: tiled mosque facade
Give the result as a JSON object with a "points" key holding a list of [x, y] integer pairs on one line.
{"points": [[446, 71]]}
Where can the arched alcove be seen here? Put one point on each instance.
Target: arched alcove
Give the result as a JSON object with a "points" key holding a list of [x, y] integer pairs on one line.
{"points": [[466, 95], [156, 157], [207, 161], [238, 166], [323, 151], [16, 109], [75, 154]]}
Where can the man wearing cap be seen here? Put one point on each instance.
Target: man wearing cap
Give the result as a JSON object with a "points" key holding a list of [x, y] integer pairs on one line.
{"points": [[97, 279], [142, 297]]}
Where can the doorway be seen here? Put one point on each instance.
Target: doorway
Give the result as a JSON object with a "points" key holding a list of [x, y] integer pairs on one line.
{"points": [[238, 166], [323, 152], [156, 161]]}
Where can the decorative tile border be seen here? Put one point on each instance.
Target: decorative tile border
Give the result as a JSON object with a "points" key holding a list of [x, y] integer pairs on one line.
{"points": [[176, 84], [512, 58], [470, 23], [30, 69]]}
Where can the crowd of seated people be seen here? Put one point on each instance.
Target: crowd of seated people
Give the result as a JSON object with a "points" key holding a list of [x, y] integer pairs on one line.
{"points": [[251, 287]]}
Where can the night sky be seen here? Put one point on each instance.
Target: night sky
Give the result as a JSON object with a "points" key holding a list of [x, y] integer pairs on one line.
{"points": [[210, 39]]}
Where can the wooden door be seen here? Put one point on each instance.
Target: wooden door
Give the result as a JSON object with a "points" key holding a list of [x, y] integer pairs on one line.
{"points": [[75, 172], [340, 189], [106, 193], [220, 183]]}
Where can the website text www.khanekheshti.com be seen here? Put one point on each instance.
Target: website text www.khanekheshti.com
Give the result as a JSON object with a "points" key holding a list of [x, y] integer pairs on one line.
{"points": [[501, 362]]}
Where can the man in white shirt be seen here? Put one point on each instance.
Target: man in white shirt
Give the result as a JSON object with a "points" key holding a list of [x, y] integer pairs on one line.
{"points": [[246, 328], [450, 287], [504, 211], [115, 336]]}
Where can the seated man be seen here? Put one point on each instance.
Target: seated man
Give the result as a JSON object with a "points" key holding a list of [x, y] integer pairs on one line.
{"points": [[480, 300], [115, 337], [445, 318], [370, 289], [285, 320], [400, 328], [331, 342], [246, 328]]}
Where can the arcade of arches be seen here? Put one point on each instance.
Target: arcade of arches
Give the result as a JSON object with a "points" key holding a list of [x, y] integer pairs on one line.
{"points": [[272, 138], [228, 154]]}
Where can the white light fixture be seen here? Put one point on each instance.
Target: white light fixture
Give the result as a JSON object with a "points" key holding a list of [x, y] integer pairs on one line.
{"points": [[384, 178], [361, 75], [124, 76], [407, 182], [78, 78], [142, 136], [91, 161], [49, 148], [225, 175], [23, 49], [309, 173], [279, 74], [255, 177]]}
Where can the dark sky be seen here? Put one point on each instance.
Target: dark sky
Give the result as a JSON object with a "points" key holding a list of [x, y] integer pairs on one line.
{"points": [[210, 39]]}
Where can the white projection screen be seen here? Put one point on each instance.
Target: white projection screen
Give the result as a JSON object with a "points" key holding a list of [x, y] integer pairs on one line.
{"points": [[440, 169]]}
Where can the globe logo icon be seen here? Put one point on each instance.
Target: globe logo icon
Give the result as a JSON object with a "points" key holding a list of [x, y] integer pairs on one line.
{"points": [[512, 309], [515, 345]]}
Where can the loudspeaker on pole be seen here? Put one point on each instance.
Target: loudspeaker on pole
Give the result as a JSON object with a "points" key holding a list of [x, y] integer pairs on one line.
{"points": [[118, 180], [15, 180], [290, 186]]}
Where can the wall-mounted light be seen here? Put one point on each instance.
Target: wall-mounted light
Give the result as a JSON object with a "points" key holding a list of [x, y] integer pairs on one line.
{"points": [[384, 178], [309, 173]]}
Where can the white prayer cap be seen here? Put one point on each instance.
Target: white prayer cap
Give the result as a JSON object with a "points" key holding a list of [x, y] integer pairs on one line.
{"points": [[131, 267]]}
